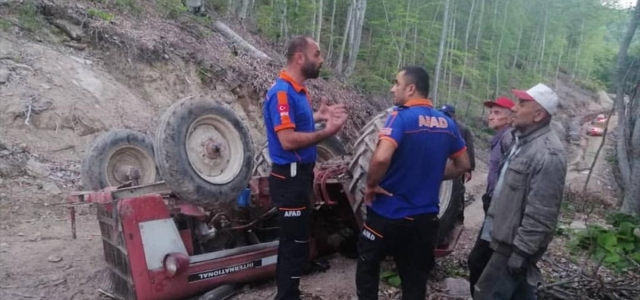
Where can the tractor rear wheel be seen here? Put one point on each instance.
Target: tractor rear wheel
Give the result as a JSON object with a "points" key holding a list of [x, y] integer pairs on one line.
{"points": [[204, 152], [111, 157], [327, 149], [362, 150]]}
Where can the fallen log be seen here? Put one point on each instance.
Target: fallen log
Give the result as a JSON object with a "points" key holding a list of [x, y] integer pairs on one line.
{"points": [[239, 41]]}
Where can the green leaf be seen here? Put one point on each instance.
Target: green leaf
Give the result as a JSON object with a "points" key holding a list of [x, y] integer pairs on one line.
{"points": [[395, 281], [636, 256], [612, 258], [627, 246], [607, 240], [387, 274]]}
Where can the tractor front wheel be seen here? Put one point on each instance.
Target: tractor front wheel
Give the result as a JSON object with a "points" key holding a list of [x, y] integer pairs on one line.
{"points": [[203, 151]]}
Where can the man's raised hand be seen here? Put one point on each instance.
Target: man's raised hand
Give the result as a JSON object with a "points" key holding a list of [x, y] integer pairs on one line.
{"points": [[336, 121], [326, 111]]}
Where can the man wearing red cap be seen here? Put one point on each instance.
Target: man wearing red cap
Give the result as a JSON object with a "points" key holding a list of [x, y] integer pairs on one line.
{"points": [[525, 204], [499, 120]]}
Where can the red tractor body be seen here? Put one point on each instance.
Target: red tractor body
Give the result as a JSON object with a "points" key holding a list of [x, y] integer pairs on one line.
{"points": [[159, 247]]}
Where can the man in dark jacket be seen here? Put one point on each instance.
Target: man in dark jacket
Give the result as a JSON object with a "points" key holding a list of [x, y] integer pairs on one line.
{"points": [[523, 214], [450, 111]]}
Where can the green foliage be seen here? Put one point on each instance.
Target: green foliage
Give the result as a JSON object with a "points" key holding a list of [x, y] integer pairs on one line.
{"points": [[128, 5], [122, 5], [617, 247], [612, 160], [171, 9], [28, 16], [100, 14], [4, 25], [491, 46], [590, 84], [391, 277]]}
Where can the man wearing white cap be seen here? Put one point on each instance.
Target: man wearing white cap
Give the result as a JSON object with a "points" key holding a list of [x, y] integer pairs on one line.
{"points": [[524, 209]]}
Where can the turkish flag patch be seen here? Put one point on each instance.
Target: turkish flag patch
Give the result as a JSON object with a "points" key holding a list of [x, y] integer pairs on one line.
{"points": [[283, 107]]}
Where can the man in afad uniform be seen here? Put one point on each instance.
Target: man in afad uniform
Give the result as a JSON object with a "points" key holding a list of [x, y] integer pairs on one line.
{"points": [[525, 206], [291, 136], [404, 177], [499, 120]]}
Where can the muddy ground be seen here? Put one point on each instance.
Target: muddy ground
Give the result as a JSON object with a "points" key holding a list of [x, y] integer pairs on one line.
{"points": [[55, 99]]}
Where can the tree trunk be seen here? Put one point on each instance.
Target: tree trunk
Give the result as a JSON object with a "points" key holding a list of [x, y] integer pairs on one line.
{"points": [[466, 47], [243, 10], [443, 36], [451, 41], [231, 7], [498, 67], [393, 36], [558, 65], [628, 138], [479, 33], [345, 36], [357, 36], [575, 63], [333, 17], [515, 58], [319, 23], [544, 41], [238, 40], [284, 27], [405, 32], [315, 18], [415, 44]]}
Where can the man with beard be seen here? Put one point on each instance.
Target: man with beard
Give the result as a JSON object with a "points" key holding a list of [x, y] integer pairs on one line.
{"points": [[500, 121], [291, 135], [524, 209], [403, 180]]}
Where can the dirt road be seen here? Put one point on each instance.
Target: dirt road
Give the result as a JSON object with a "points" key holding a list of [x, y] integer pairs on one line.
{"points": [[601, 181]]}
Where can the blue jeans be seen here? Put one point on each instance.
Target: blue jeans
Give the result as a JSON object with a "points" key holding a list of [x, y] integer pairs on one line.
{"points": [[496, 283]]}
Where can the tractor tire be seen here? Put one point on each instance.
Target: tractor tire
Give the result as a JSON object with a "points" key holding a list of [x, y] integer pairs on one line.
{"points": [[204, 152], [112, 154], [223, 292], [363, 149], [327, 149]]}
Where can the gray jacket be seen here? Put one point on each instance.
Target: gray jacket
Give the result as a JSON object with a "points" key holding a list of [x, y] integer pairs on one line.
{"points": [[525, 210]]}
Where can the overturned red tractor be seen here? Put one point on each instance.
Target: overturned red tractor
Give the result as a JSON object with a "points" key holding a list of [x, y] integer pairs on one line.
{"points": [[189, 213]]}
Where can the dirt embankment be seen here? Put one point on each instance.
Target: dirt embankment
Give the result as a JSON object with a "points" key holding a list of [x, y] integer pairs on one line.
{"points": [[128, 73]]}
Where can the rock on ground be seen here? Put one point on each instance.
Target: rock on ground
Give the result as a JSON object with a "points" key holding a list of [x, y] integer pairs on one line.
{"points": [[457, 287], [51, 188], [4, 75], [37, 169]]}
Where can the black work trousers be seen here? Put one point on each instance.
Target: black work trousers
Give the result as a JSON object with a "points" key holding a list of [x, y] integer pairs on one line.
{"points": [[292, 197], [411, 241], [480, 253]]}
